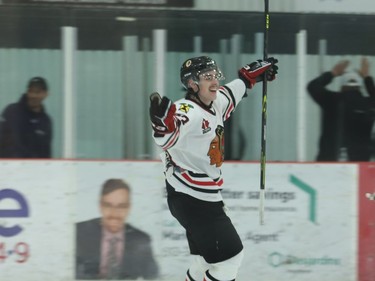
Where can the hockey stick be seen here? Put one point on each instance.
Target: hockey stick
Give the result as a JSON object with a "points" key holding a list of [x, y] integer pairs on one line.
{"points": [[264, 117]]}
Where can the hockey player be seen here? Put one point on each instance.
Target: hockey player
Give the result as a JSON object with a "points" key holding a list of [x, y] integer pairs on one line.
{"points": [[191, 134]]}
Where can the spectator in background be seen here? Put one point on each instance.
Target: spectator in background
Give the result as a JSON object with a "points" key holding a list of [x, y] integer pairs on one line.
{"points": [[347, 115], [110, 248], [25, 127]]}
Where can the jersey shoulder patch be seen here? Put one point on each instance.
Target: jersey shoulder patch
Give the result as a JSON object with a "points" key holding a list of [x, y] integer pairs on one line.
{"points": [[184, 107]]}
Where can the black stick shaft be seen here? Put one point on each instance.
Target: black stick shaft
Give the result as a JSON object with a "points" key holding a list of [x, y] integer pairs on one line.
{"points": [[264, 113]]}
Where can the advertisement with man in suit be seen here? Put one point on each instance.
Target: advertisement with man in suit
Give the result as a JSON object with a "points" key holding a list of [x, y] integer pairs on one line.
{"points": [[110, 248]]}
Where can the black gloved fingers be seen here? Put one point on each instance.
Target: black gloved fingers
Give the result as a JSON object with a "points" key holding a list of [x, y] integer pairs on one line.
{"points": [[155, 97], [159, 106], [272, 60]]}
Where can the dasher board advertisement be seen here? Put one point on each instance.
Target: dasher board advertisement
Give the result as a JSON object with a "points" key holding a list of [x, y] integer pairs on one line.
{"points": [[310, 230]]}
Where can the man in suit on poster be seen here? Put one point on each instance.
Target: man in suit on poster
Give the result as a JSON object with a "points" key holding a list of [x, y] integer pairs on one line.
{"points": [[110, 248]]}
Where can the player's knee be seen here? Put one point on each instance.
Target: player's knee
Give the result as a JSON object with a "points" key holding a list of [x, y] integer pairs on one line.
{"points": [[225, 270]]}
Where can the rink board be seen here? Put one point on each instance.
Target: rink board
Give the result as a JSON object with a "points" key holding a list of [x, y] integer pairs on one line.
{"points": [[310, 232]]}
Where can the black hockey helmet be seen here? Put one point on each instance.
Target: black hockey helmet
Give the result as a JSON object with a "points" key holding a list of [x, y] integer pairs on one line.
{"points": [[193, 67]]}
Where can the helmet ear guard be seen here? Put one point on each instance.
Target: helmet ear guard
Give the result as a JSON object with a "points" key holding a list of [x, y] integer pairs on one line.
{"points": [[192, 81], [192, 85], [193, 67]]}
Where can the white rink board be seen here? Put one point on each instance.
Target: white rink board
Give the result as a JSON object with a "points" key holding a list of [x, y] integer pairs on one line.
{"points": [[297, 242], [310, 230], [48, 229]]}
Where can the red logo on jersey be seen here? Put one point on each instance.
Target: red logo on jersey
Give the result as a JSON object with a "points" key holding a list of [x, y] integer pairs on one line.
{"points": [[205, 126]]}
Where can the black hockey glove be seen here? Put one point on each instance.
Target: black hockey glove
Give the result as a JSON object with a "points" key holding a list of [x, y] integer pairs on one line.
{"points": [[162, 114], [253, 72]]}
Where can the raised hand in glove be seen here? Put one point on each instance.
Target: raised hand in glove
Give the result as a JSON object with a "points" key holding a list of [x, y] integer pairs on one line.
{"points": [[254, 72], [162, 114]]}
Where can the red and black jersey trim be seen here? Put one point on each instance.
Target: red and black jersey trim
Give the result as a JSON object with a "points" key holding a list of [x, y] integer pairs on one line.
{"points": [[199, 182], [227, 92], [172, 140]]}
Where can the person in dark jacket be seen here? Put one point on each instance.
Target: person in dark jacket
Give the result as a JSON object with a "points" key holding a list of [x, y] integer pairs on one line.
{"points": [[347, 115], [25, 126], [109, 247]]}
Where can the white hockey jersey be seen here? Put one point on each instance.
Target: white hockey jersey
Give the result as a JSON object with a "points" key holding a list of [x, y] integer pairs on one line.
{"points": [[194, 152]]}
